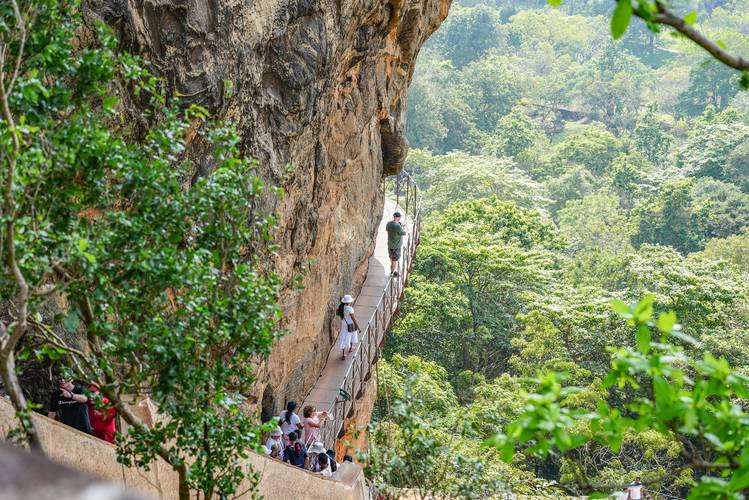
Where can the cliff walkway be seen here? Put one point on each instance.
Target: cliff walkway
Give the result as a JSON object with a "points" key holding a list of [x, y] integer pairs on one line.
{"points": [[342, 383], [338, 389]]}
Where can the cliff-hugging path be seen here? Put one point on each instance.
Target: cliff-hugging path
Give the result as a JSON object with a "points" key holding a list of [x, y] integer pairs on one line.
{"points": [[375, 305]]}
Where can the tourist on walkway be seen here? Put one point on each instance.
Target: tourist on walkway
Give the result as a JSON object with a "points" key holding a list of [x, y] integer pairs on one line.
{"points": [[312, 423], [68, 405], [289, 421], [324, 465], [395, 231], [275, 452], [102, 419], [295, 453], [349, 327], [276, 438], [314, 453], [636, 490]]}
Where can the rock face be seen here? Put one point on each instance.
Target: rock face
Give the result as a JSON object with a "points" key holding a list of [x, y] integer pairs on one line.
{"points": [[317, 90]]}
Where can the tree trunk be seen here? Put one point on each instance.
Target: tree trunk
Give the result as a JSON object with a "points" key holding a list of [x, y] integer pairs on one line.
{"points": [[184, 488], [10, 381]]}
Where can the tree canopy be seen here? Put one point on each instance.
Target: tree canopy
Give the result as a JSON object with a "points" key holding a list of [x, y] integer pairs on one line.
{"points": [[581, 173]]}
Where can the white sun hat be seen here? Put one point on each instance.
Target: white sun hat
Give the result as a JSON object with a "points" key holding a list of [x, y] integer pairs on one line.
{"points": [[347, 299], [277, 432], [317, 447]]}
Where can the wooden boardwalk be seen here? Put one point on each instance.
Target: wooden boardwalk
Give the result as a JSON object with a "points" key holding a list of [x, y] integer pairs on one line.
{"points": [[342, 382]]}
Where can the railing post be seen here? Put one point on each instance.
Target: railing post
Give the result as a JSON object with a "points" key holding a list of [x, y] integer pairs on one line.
{"points": [[362, 367], [369, 344], [398, 190], [408, 197]]}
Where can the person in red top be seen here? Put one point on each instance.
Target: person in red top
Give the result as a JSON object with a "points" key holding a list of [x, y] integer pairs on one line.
{"points": [[102, 419]]}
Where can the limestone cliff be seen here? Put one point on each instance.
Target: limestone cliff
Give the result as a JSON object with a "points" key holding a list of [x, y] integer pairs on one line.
{"points": [[318, 85]]}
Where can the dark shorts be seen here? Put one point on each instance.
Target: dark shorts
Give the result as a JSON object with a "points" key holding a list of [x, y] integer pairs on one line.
{"points": [[394, 253]]}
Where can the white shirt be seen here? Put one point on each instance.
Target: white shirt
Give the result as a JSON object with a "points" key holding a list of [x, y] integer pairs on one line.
{"points": [[326, 472], [287, 427], [635, 492], [271, 441]]}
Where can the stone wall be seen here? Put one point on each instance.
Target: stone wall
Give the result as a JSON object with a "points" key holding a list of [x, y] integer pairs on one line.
{"points": [[318, 85], [86, 453]]}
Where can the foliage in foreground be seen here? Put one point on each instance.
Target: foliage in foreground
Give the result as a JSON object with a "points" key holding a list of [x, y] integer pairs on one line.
{"points": [[697, 402], [153, 266], [424, 442]]}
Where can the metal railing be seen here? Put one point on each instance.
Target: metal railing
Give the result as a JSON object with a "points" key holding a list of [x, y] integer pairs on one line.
{"points": [[404, 191]]}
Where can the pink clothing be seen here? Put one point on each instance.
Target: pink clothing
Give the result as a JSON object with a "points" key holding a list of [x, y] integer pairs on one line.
{"points": [[310, 433]]}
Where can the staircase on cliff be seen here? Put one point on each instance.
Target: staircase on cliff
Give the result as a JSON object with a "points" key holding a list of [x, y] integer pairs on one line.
{"points": [[343, 383]]}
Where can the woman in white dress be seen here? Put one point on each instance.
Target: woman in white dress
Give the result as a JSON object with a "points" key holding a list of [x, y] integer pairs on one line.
{"points": [[349, 327]]}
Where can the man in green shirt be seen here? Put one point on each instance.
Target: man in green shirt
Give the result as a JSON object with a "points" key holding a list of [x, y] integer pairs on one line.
{"points": [[395, 231]]}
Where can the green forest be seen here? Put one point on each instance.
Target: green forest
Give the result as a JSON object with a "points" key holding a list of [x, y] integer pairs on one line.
{"points": [[577, 314]]}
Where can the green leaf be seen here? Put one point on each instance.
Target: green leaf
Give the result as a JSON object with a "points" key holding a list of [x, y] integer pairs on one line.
{"points": [[109, 102], [620, 307], [666, 321], [740, 479], [643, 338], [555, 3], [691, 18], [620, 19], [662, 390], [683, 337], [508, 450], [644, 309]]}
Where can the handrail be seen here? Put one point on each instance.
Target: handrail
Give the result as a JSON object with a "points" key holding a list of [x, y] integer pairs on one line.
{"points": [[371, 338]]}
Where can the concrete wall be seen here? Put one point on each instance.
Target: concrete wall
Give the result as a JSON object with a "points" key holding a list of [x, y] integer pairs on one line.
{"points": [[99, 458]]}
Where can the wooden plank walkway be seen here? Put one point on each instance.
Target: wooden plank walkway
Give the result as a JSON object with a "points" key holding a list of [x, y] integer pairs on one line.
{"points": [[323, 395]]}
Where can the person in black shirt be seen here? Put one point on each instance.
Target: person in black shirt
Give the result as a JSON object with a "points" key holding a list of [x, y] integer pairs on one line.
{"points": [[295, 453], [68, 404]]}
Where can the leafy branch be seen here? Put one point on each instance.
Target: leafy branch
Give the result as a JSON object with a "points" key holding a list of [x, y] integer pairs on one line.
{"points": [[661, 15], [163, 294], [10, 335], [664, 391], [655, 14]]}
